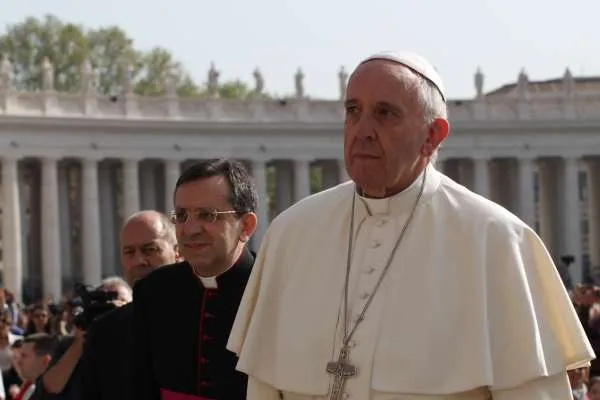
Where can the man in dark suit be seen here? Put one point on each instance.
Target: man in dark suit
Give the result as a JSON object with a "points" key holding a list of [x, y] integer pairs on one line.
{"points": [[147, 242], [214, 216]]}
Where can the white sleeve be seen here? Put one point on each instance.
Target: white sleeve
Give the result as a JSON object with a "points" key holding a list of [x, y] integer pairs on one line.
{"points": [[555, 387], [258, 390]]}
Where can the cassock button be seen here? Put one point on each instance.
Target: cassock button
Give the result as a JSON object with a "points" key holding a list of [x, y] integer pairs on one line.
{"points": [[381, 222], [205, 384], [352, 344], [345, 396], [376, 244], [203, 360], [206, 338], [364, 296]]}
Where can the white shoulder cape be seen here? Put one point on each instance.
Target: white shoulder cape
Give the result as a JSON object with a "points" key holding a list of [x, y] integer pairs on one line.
{"points": [[492, 310]]}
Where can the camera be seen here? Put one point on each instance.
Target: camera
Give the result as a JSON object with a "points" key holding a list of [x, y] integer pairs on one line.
{"points": [[91, 304]]}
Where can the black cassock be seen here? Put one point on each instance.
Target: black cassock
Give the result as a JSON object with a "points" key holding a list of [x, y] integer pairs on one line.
{"points": [[180, 332]]}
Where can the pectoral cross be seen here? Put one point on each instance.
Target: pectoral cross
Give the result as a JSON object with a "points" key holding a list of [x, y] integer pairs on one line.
{"points": [[341, 370]]}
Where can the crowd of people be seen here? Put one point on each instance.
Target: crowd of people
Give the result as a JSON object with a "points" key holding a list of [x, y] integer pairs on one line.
{"points": [[585, 381]]}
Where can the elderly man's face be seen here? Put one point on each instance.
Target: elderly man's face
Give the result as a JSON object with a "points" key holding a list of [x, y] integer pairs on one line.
{"points": [[145, 248], [387, 140]]}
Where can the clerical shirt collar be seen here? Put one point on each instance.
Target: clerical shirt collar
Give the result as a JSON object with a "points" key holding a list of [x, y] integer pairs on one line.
{"points": [[405, 200], [209, 282]]}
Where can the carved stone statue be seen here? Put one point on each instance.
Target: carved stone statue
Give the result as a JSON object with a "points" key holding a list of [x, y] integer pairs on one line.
{"points": [[522, 84], [259, 85], [343, 82], [479, 79], [47, 75], [213, 81], [569, 83], [171, 79], [89, 79], [299, 78], [6, 74]]}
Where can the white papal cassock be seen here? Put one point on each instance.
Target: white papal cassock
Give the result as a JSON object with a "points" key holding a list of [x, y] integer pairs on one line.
{"points": [[471, 305]]}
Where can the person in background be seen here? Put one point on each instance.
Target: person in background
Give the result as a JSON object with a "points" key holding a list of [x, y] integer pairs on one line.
{"points": [[63, 379], [148, 242], [34, 358], [40, 321], [7, 339]]}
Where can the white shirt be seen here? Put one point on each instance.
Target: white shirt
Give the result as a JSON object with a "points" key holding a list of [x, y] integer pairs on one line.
{"points": [[472, 302]]}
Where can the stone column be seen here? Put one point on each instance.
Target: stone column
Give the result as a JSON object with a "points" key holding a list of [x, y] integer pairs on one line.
{"points": [[259, 172], [66, 222], [571, 216], [148, 192], [284, 177], [481, 176], [594, 214], [51, 234], [526, 191], [344, 177], [172, 173], [548, 206], [109, 220], [131, 187], [91, 241], [301, 179], [12, 252]]}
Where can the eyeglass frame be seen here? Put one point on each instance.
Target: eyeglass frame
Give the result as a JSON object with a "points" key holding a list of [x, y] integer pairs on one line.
{"points": [[213, 212]]}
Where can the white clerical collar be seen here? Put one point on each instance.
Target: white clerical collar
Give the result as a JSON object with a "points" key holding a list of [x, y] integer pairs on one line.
{"points": [[209, 282], [403, 201]]}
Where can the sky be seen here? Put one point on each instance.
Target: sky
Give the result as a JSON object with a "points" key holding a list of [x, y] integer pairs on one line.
{"points": [[279, 36]]}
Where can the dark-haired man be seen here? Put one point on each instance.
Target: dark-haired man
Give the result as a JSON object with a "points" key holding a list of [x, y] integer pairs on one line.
{"points": [[215, 216]]}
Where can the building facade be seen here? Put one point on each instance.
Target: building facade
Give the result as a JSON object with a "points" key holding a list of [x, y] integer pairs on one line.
{"points": [[74, 165]]}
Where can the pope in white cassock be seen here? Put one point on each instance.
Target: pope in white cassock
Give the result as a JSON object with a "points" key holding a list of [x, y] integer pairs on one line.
{"points": [[403, 284]]}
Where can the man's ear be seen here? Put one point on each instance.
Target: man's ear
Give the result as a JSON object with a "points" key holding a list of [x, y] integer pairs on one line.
{"points": [[178, 256], [437, 133], [249, 224]]}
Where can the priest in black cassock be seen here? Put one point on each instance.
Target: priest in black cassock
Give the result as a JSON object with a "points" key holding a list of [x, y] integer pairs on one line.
{"points": [[183, 313]]}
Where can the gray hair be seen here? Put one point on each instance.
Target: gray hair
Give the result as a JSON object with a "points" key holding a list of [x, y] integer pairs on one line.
{"points": [[117, 281], [433, 105], [168, 228]]}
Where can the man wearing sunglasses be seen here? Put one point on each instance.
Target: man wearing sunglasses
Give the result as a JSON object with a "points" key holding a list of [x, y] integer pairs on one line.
{"points": [[215, 217]]}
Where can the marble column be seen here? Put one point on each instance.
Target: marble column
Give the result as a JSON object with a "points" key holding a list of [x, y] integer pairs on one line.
{"points": [[109, 222], [526, 191], [301, 179], [481, 176], [51, 261], [548, 206], [148, 186], [12, 252], [284, 177], [91, 240], [131, 187], [593, 177], [571, 214], [66, 221], [259, 173], [172, 173]]}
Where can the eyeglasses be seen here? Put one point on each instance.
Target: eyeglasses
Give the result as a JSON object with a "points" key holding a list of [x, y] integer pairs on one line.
{"points": [[207, 215]]}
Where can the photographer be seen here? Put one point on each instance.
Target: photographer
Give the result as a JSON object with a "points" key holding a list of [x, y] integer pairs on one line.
{"points": [[63, 378]]}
